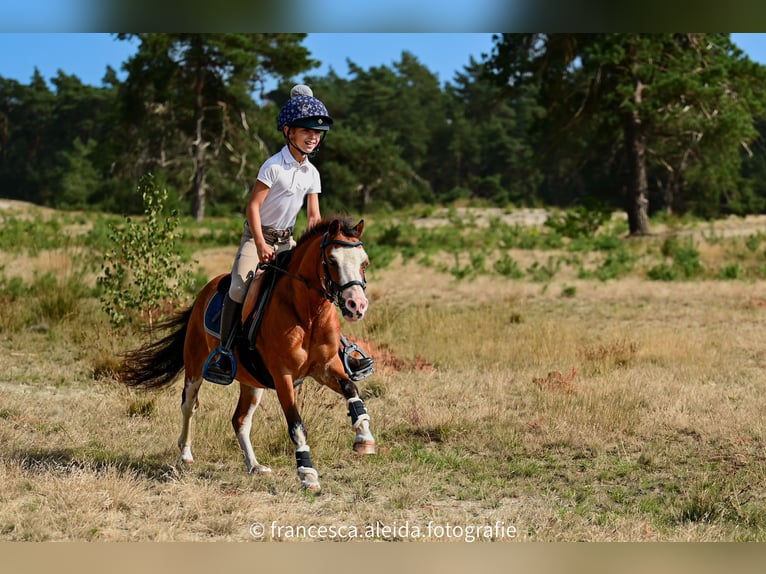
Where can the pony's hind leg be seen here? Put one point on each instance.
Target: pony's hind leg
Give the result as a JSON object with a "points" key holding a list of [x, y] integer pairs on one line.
{"points": [[189, 404], [242, 421]]}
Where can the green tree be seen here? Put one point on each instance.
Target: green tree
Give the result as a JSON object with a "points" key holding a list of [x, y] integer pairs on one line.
{"points": [[143, 270], [80, 180], [26, 113], [52, 141], [488, 147], [683, 102], [381, 151], [188, 97]]}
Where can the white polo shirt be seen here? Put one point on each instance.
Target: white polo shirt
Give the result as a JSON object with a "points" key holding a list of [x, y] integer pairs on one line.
{"points": [[289, 182]]}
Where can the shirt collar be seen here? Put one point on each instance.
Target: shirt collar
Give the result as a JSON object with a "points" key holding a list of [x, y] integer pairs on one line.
{"points": [[288, 159]]}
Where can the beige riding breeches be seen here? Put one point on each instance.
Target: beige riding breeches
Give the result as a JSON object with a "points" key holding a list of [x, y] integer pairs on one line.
{"points": [[245, 267]]}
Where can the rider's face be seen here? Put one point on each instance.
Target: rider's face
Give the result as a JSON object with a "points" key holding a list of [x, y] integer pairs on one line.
{"points": [[305, 139]]}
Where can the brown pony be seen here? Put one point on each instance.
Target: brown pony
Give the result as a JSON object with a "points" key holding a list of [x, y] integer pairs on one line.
{"points": [[299, 336]]}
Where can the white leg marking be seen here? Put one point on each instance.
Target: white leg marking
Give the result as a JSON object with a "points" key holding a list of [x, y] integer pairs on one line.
{"points": [[191, 390], [243, 436]]}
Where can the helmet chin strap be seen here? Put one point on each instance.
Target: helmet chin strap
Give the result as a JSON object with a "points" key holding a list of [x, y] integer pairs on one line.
{"points": [[310, 155]]}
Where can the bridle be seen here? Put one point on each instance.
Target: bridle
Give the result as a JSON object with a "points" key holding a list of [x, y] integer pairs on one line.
{"points": [[330, 289]]}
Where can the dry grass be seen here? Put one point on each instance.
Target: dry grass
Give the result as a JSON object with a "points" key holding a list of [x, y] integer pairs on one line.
{"points": [[630, 411]]}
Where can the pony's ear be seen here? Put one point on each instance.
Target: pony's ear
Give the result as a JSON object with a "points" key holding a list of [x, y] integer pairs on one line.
{"points": [[359, 227], [334, 228]]}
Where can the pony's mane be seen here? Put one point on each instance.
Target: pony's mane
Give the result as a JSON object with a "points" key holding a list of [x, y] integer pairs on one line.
{"points": [[346, 226]]}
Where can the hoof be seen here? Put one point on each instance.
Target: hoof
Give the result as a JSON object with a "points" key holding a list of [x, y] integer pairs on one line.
{"points": [[309, 479], [364, 447], [312, 487], [260, 470], [185, 457]]}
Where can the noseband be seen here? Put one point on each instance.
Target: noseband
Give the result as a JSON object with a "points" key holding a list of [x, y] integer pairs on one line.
{"points": [[332, 291]]}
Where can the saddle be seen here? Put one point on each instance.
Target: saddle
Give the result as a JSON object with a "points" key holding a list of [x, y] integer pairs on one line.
{"points": [[253, 311], [357, 364]]}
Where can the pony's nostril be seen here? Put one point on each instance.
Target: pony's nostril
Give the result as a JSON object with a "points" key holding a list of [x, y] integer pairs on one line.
{"points": [[351, 304]]}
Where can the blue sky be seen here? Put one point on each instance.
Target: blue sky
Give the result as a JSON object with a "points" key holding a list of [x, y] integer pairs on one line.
{"points": [[87, 55]]}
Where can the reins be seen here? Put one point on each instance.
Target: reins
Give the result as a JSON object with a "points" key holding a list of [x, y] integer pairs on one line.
{"points": [[333, 295], [291, 275]]}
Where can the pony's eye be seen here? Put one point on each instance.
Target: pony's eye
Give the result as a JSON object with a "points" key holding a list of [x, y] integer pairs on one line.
{"points": [[332, 261]]}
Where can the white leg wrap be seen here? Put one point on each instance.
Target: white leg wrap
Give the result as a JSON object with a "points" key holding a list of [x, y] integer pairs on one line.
{"points": [[360, 421], [362, 418]]}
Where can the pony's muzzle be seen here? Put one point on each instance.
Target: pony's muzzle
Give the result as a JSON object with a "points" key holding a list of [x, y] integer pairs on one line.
{"points": [[354, 303]]}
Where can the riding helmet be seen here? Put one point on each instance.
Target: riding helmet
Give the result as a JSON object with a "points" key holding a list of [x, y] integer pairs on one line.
{"points": [[304, 110]]}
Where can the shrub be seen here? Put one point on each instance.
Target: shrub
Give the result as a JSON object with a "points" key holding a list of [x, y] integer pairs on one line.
{"points": [[582, 221], [617, 263], [508, 267], [662, 272], [544, 273], [733, 271], [142, 269], [686, 257]]}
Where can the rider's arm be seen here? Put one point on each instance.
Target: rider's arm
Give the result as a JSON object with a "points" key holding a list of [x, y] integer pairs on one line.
{"points": [[312, 210], [253, 214]]}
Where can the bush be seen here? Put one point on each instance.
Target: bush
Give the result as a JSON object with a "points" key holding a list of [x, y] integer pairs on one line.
{"points": [[143, 270], [686, 257], [733, 271], [618, 263], [508, 267], [582, 221], [56, 301], [662, 272]]}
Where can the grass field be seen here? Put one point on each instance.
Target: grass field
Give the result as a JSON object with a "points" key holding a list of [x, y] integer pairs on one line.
{"points": [[573, 409]]}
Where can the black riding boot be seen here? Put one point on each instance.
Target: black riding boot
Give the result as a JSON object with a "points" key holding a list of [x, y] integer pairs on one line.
{"points": [[361, 367], [357, 366], [221, 366]]}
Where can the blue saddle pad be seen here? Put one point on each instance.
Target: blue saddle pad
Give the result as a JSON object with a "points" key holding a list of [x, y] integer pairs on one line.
{"points": [[213, 315]]}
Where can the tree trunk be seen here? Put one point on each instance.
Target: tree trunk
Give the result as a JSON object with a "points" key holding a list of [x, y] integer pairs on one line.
{"points": [[199, 148], [198, 183], [638, 187]]}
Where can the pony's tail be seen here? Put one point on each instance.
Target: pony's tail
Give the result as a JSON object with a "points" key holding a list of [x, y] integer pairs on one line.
{"points": [[157, 364]]}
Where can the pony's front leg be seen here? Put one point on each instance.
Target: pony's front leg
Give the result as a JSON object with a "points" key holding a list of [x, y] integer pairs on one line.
{"points": [[364, 442], [298, 434], [189, 404], [242, 421]]}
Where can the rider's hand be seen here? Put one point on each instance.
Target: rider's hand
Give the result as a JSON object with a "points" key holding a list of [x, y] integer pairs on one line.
{"points": [[265, 252]]}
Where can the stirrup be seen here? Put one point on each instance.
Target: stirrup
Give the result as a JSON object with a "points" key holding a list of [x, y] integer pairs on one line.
{"points": [[212, 370], [362, 372]]}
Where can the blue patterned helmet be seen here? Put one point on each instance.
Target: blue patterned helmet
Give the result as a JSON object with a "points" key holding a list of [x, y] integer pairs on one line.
{"points": [[304, 110]]}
